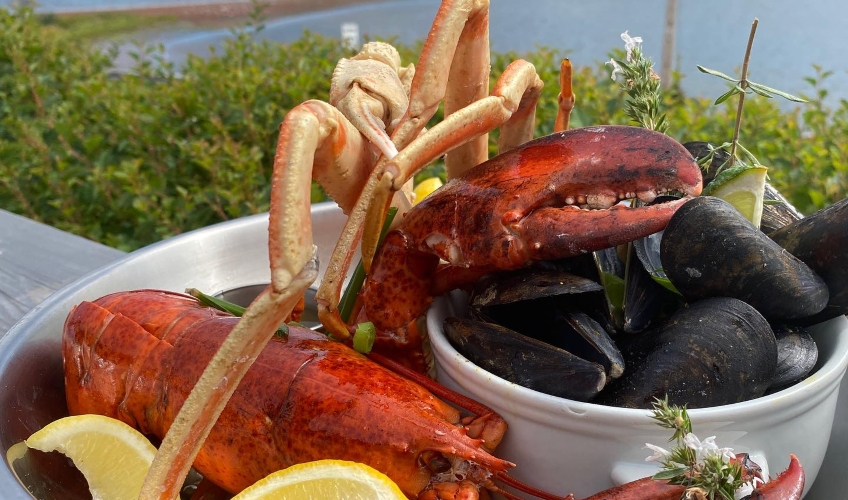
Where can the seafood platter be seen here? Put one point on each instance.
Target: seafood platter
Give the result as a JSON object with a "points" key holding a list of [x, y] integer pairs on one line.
{"points": [[454, 399]]}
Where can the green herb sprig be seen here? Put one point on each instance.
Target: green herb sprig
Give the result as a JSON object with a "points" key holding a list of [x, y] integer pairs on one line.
{"points": [[741, 87], [701, 466], [641, 84]]}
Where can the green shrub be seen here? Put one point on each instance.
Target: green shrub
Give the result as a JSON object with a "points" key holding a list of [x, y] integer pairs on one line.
{"points": [[129, 160]]}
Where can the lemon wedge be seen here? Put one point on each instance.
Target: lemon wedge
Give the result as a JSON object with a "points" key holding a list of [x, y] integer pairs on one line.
{"points": [[743, 187], [113, 457], [337, 479], [426, 187]]}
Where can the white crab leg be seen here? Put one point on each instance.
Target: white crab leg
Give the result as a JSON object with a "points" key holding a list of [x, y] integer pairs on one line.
{"points": [[313, 134]]}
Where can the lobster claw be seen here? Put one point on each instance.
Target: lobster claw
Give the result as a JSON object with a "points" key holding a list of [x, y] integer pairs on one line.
{"points": [[788, 485]]}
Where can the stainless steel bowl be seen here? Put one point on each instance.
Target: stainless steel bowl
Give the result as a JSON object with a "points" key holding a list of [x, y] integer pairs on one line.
{"points": [[228, 256]]}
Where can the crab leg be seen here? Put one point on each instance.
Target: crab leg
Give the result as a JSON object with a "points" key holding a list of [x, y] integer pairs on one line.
{"points": [[313, 133], [457, 21], [518, 88], [468, 82]]}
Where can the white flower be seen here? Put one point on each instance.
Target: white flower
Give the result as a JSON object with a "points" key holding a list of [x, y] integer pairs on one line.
{"points": [[615, 68], [630, 43], [660, 454], [748, 488], [707, 448]]}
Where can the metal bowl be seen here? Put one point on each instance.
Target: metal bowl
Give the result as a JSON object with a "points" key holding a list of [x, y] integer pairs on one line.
{"points": [[230, 256]]}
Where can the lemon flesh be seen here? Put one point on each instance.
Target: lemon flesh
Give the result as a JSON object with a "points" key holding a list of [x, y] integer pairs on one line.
{"points": [[426, 187], [743, 187], [337, 479], [113, 457]]}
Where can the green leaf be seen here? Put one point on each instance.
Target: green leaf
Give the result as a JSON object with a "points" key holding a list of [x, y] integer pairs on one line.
{"points": [[757, 90], [667, 474], [727, 95], [664, 281], [717, 73], [215, 302], [781, 93]]}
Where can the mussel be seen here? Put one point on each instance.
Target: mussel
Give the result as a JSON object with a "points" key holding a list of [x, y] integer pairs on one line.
{"points": [[713, 352], [710, 250], [532, 327], [797, 355], [524, 360], [821, 242]]}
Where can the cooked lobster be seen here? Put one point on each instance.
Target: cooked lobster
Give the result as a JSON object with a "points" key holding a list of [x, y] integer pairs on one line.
{"points": [[135, 356]]}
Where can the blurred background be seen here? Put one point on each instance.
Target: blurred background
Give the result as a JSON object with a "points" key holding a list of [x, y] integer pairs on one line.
{"points": [[128, 121]]}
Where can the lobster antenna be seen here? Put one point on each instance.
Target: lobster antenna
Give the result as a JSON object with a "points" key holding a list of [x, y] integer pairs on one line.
{"points": [[526, 488]]}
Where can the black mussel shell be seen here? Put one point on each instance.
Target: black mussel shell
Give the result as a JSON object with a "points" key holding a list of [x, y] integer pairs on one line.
{"points": [[710, 250], [645, 299], [714, 352], [611, 275], [579, 334], [528, 284], [525, 361], [797, 355], [821, 241]]}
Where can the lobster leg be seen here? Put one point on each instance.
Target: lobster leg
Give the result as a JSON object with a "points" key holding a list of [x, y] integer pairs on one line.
{"points": [[565, 97]]}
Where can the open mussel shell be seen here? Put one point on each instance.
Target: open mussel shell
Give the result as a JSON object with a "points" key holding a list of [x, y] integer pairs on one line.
{"points": [[525, 361], [714, 352], [710, 250], [777, 211], [797, 354], [550, 305], [645, 298], [821, 242], [611, 275], [528, 284]]}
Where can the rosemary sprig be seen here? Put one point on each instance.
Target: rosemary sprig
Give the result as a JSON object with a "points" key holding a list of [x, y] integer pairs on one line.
{"points": [[741, 87], [706, 470], [230, 307], [641, 84]]}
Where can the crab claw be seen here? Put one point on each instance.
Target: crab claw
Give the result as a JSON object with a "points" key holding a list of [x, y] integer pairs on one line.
{"points": [[788, 485]]}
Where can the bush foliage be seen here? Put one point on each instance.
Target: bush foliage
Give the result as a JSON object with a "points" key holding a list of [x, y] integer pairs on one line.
{"points": [[128, 160]]}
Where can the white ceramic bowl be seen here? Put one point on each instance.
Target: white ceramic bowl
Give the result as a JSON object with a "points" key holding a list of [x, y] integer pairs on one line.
{"points": [[596, 447]]}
